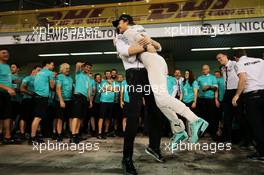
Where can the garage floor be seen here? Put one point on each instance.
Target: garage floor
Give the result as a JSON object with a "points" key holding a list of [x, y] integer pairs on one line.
{"points": [[22, 159]]}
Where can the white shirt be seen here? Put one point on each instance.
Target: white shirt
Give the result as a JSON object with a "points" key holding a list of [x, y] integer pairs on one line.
{"points": [[177, 87], [253, 67], [231, 80], [122, 45]]}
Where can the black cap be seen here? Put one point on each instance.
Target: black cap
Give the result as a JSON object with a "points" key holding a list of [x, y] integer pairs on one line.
{"points": [[123, 17]]}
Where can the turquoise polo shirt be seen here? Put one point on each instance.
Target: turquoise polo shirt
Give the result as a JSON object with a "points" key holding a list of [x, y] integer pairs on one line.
{"points": [[221, 88], [5, 76], [206, 80], [82, 83], [42, 82], [125, 86], [29, 82], [171, 83], [66, 84], [108, 96], [16, 86], [188, 91]]}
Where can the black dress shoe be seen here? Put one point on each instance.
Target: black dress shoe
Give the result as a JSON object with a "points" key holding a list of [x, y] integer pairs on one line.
{"points": [[22, 136], [8, 141], [32, 140], [75, 139], [59, 138], [40, 139], [156, 154], [93, 133], [17, 140], [256, 156], [128, 166], [54, 136]]}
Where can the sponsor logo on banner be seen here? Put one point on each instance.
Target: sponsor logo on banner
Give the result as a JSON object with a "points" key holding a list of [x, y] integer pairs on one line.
{"points": [[212, 28], [153, 12]]}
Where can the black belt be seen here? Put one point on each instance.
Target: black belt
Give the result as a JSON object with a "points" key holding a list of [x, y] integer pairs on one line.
{"points": [[136, 68]]}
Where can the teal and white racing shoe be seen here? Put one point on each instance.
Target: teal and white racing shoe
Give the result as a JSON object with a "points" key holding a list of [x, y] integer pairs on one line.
{"points": [[178, 137], [197, 128]]}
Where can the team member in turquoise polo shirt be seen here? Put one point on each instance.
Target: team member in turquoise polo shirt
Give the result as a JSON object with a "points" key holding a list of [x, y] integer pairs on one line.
{"points": [[43, 83], [16, 100], [116, 107], [90, 118], [27, 91], [98, 80], [117, 111], [6, 92], [64, 90], [124, 99], [16, 82], [221, 85], [96, 101], [208, 99], [107, 101], [81, 98], [189, 90]]}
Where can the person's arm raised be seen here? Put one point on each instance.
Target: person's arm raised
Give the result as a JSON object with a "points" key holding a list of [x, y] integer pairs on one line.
{"points": [[78, 66]]}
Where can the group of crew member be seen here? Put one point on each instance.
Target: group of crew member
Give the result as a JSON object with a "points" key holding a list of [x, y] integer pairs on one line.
{"points": [[231, 96]]}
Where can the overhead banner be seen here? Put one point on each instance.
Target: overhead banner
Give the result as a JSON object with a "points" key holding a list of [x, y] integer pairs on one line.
{"points": [[211, 28], [144, 12]]}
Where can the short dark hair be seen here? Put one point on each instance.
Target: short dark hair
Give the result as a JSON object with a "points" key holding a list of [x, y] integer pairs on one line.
{"points": [[44, 63], [87, 64], [95, 75], [223, 53], [17, 65], [191, 77], [3, 48], [115, 70], [239, 53], [125, 18], [107, 71], [36, 66], [217, 71]]}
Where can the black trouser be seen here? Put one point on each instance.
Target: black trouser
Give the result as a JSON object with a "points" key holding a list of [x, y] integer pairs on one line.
{"points": [[245, 130], [229, 113], [254, 103], [232, 114], [136, 78], [207, 110]]}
